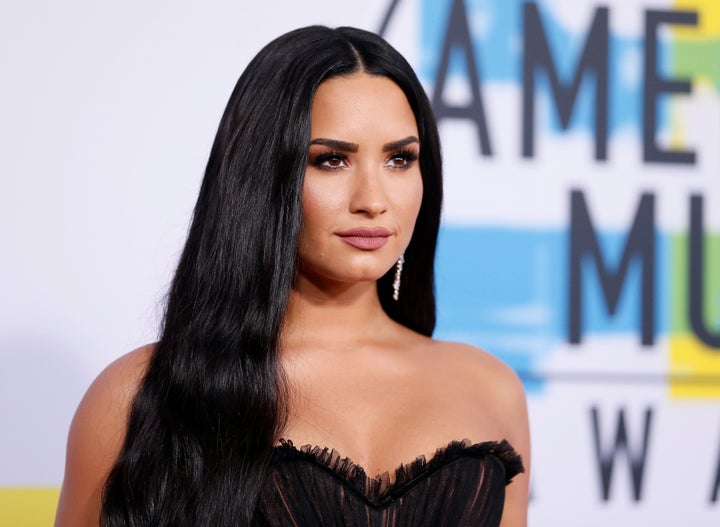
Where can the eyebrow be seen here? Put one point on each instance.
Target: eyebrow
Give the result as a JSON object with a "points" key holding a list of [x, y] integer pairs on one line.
{"points": [[345, 146], [395, 145], [335, 144]]}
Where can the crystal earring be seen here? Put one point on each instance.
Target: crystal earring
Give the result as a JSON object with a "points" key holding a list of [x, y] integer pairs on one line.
{"points": [[396, 281]]}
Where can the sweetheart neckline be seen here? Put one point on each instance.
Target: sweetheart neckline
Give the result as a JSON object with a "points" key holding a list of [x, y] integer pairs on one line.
{"points": [[378, 490], [316, 449]]}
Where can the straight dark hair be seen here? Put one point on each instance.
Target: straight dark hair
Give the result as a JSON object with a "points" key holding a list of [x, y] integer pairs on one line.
{"points": [[212, 403]]}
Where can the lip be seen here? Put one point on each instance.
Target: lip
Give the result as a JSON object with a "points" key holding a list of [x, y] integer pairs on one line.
{"points": [[366, 238]]}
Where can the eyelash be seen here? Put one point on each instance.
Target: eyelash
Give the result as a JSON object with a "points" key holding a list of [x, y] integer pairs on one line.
{"points": [[408, 156], [320, 160]]}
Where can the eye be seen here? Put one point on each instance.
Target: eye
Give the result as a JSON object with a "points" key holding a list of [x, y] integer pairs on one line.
{"points": [[330, 161], [401, 160]]}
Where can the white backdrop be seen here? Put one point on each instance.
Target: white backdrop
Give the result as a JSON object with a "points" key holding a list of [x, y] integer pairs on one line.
{"points": [[107, 114]]}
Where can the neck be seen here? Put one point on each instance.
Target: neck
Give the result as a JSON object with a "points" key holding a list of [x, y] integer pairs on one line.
{"points": [[342, 314]]}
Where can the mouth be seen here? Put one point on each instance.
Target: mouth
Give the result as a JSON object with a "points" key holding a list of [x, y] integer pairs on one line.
{"points": [[366, 238]]}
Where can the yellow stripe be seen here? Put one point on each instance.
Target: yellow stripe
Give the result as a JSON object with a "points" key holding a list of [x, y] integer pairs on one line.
{"points": [[689, 356], [708, 19], [28, 507]]}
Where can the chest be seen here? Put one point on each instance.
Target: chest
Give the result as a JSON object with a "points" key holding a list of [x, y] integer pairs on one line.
{"points": [[390, 415]]}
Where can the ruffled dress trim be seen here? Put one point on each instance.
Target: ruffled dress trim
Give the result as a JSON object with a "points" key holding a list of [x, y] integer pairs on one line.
{"points": [[381, 489]]}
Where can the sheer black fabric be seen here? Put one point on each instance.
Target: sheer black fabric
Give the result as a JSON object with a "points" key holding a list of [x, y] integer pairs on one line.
{"points": [[463, 484]]}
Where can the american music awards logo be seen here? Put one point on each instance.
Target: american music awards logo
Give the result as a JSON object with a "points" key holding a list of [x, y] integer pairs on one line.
{"points": [[650, 276]]}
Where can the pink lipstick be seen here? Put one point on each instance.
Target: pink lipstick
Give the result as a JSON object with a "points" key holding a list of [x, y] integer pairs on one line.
{"points": [[366, 238]]}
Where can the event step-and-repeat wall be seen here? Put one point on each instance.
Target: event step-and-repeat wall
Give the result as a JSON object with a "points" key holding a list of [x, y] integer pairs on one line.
{"points": [[581, 235]]}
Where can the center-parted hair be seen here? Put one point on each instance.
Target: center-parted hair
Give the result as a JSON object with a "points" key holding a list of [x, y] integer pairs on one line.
{"points": [[211, 405]]}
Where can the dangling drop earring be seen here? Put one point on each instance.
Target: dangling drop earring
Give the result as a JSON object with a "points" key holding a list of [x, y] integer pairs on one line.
{"points": [[396, 281]]}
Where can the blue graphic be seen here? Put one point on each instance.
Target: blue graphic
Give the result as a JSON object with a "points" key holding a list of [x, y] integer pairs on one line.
{"points": [[506, 291]]}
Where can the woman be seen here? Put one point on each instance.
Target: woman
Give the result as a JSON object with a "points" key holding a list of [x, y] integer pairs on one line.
{"points": [[300, 314]]}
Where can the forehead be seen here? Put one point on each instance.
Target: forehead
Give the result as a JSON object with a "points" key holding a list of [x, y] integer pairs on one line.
{"points": [[361, 105]]}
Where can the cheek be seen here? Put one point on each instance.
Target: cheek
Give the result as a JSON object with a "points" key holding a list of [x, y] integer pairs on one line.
{"points": [[319, 206], [418, 197], [412, 200]]}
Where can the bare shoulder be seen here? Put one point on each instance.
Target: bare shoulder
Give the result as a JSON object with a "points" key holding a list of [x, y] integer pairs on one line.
{"points": [[106, 404], [493, 376], [96, 435], [497, 385]]}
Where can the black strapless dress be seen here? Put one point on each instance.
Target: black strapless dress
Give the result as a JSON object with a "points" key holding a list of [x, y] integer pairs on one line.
{"points": [[463, 484]]}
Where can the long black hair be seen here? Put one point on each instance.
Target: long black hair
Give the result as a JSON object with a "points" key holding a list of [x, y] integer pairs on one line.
{"points": [[212, 403]]}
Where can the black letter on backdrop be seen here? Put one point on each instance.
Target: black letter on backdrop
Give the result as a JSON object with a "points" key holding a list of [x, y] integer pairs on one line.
{"points": [[388, 15], [696, 275], [656, 85], [536, 54], [606, 459], [640, 243], [714, 494], [458, 34]]}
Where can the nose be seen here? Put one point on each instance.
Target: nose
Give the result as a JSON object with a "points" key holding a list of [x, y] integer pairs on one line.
{"points": [[369, 195]]}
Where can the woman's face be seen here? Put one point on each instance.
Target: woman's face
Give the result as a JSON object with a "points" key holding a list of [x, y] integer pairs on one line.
{"points": [[363, 187]]}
